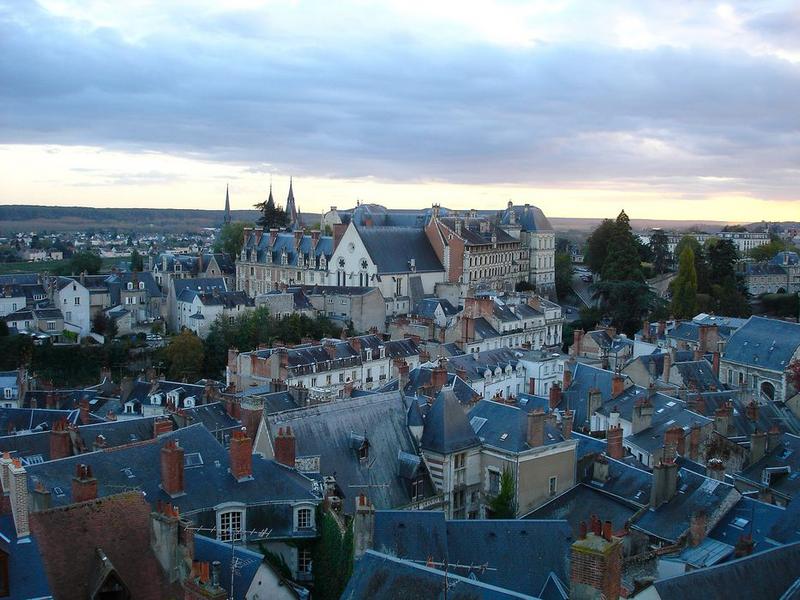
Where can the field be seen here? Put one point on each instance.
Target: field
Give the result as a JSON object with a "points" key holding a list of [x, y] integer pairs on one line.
{"points": [[51, 265]]}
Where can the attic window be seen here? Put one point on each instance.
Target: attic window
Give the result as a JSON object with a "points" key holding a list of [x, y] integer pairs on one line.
{"points": [[34, 459], [740, 522], [670, 403], [193, 459], [128, 472], [58, 492], [503, 437]]}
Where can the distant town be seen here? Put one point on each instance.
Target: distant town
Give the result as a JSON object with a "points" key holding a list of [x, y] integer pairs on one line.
{"points": [[380, 403]]}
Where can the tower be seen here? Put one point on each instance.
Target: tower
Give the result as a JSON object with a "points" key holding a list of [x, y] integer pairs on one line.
{"points": [[227, 218], [291, 208]]}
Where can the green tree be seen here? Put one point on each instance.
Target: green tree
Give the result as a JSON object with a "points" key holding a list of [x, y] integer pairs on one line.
{"points": [[524, 286], [564, 270], [502, 506], [332, 557], [597, 245], [659, 247], [137, 261], [767, 251], [87, 261], [700, 264], [272, 216], [184, 356], [684, 287], [231, 239], [722, 257], [622, 262], [626, 303], [104, 325]]}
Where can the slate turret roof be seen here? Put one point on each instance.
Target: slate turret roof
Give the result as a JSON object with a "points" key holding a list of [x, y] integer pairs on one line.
{"points": [[447, 428]]}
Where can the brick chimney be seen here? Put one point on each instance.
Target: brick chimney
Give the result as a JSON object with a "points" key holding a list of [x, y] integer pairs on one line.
{"points": [[567, 377], [642, 415], [667, 366], [715, 364], [694, 441], [646, 331], [674, 441], [285, 447], [338, 232], [662, 329], [744, 546], [84, 485], [614, 442], [722, 417], [241, 456], [535, 437], [665, 483], [773, 437], [161, 425], [172, 469], [363, 526], [17, 478], [715, 469], [594, 402], [577, 343], [596, 563], [698, 525], [617, 385], [60, 442], [555, 396], [600, 469], [566, 424], [758, 446], [439, 375], [752, 411]]}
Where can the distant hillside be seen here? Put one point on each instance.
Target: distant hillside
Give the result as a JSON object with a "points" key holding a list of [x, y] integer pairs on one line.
{"points": [[78, 218], [587, 224]]}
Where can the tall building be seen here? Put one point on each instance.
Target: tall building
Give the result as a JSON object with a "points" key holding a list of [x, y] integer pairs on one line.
{"points": [[227, 218], [529, 225]]}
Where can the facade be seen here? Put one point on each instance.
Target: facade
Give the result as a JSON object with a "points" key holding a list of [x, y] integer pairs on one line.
{"points": [[204, 308], [362, 307], [529, 224], [74, 300], [181, 290], [272, 259]]}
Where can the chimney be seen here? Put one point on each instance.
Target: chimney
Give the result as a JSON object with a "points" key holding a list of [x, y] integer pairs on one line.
{"points": [[439, 375], [285, 447], [41, 499], [84, 411], [600, 469], [330, 348], [555, 396], [355, 342], [721, 420], [172, 469], [614, 443], [241, 456], [566, 424], [99, 442], [161, 425], [752, 411], [577, 342], [84, 485], [461, 373], [617, 385], [694, 441], [596, 563], [595, 401], [535, 437], [662, 329], [363, 526], [646, 331], [715, 364], [773, 437], [60, 442], [744, 547], [18, 496], [674, 441], [665, 483], [642, 415], [402, 374], [567, 378], [758, 446], [715, 469], [667, 366], [698, 527]]}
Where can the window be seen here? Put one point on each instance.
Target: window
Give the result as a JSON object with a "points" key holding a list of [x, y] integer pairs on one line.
{"points": [[304, 518], [552, 487], [77, 301], [51, 326], [419, 489], [460, 461], [304, 561], [494, 483], [230, 524], [7, 393]]}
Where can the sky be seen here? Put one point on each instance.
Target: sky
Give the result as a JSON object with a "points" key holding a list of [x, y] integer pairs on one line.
{"points": [[683, 110]]}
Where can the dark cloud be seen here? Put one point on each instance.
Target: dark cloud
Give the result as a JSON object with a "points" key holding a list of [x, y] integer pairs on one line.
{"points": [[397, 108]]}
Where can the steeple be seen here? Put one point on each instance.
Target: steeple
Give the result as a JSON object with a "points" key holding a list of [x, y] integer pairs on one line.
{"points": [[291, 209], [270, 200], [227, 218]]}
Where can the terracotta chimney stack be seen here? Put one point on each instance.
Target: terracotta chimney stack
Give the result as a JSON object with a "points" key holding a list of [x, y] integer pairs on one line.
{"points": [[617, 385], [535, 437], [614, 442], [555, 396], [84, 485], [161, 425], [285, 447], [566, 424], [241, 456], [172, 469]]}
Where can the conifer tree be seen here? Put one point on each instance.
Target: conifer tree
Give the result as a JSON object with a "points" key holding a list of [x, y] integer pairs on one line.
{"points": [[684, 287]]}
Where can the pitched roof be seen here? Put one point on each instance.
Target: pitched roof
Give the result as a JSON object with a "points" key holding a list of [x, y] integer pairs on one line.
{"points": [[505, 427], [247, 563], [26, 575], [530, 218], [391, 249], [764, 343], [447, 428]]}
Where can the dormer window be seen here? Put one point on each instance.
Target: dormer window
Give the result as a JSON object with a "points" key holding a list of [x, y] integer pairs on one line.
{"points": [[130, 285], [141, 285], [369, 353], [304, 518]]}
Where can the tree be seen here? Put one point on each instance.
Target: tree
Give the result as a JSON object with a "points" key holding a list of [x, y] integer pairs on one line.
{"points": [[793, 373], [137, 261], [659, 247], [622, 262], [272, 216], [184, 355], [524, 286], [104, 325], [502, 505], [563, 268], [684, 287], [700, 265], [626, 303], [722, 257], [767, 251], [597, 245], [231, 239], [332, 557], [85, 261]]}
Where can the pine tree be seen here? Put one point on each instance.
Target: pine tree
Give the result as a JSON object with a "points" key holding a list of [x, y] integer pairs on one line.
{"points": [[684, 287], [622, 260], [272, 216], [659, 246], [502, 505]]}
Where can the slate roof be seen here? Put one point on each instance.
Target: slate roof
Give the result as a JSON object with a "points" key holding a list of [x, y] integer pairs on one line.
{"points": [[201, 284], [576, 396], [117, 282], [757, 519], [768, 574], [530, 218], [391, 248], [327, 430], [427, 307], [248, 563], [33, 419], [206, 484], [447, 428], [472, 234], [26, 576], [141, 392], [505, 426], [285, 243], [698, 374], [476, 363], [764, 343], [419, 382], [214, 417], [785, 457], [227, 299], [382, 577], [529, 551]]}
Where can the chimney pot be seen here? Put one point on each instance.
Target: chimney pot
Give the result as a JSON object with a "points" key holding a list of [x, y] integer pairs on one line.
{"points": [[241, 456], [172, 469]]}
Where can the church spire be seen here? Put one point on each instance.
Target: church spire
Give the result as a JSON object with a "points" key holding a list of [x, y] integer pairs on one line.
{"points": [[227, 218], [291, 209]]}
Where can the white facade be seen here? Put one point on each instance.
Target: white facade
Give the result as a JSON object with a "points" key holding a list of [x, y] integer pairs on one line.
{"points": [[74, 300]]}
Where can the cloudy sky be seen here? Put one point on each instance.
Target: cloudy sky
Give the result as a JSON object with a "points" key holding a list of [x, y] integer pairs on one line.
{"points": [[669, 109]]}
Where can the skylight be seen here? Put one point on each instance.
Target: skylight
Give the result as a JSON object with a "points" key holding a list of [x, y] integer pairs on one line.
{"points": [[477, 423], [193, 459]]}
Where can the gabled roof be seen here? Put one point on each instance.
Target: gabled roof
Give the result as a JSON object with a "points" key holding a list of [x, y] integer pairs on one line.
{"points": [[505, 427], [529, 218], [757, 519], [764, 343], [33, 419], [391, 249], [785, 460], [247, 563], [327, 431], [200, 284], [766, 575], [447, 428]]}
